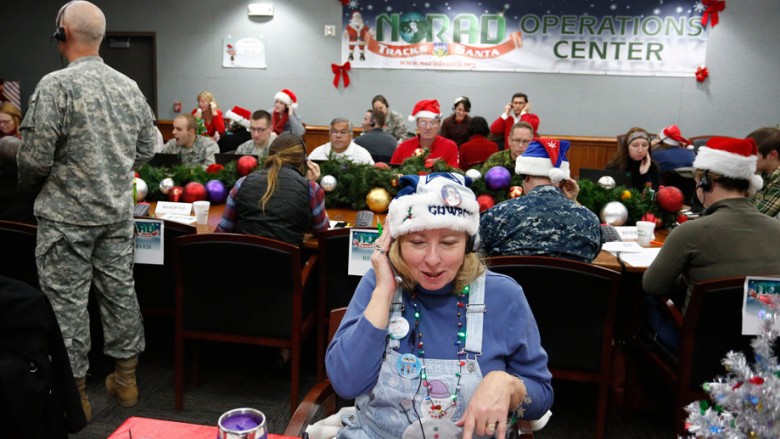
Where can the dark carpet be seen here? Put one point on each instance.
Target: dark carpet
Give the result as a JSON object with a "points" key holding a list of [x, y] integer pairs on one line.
{"points": [[233, 376]]}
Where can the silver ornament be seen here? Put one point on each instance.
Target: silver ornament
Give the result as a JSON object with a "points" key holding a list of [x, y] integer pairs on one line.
{"points": [[165, 185], [474, 174], [328, 183], [614, 213], [607, 182], [141, 189]]}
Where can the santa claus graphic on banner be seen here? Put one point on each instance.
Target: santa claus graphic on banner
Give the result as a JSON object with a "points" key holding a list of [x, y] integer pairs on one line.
{"points": [[357, 33]]}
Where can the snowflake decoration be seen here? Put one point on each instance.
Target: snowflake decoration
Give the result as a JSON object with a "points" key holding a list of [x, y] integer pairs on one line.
{"points": [[656, 11], [389, 9], [699, 7], [353, 4], [370, 7], [613, 6], [679, 9], [552, 144]]}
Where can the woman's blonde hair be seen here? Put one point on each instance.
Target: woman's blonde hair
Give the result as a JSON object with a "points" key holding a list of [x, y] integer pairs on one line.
{"points": [[11, 110], [208, 96], [287, 149], [473, 266]]}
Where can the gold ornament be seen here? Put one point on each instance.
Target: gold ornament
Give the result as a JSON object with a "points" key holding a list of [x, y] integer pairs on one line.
{"points": [[394, 182], [626, 195], [378, 199]]}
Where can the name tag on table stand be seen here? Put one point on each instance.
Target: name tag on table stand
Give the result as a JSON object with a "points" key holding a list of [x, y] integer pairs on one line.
{"points": [[361, 246], [627, 233], [149, 248], [164, 207]]}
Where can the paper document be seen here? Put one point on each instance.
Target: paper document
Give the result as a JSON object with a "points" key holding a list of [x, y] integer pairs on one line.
{"points": [[183, 219], [638, 259]]}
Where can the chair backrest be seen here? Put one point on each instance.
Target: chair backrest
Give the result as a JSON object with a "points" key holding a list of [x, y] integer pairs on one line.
{"points": [[154, 284], [238, 284], [567, 297], [336, 285], [699, 141], [336, 315], [712, 326], [17, 259]]}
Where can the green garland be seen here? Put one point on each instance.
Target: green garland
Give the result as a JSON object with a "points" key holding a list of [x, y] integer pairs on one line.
{"points": [[355, 180], [183, 174]]}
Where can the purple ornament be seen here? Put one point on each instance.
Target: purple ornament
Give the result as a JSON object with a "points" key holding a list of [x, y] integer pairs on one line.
{"points": [[216, 191], [497, 177]]}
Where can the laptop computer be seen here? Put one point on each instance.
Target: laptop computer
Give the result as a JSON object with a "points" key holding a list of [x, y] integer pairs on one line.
{"points": [[622, 178], [163, 160]]}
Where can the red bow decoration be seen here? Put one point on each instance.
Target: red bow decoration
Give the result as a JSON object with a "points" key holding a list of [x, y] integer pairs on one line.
{"points": [[344, 2], [338, 70], [702, 73], [711, 13]]}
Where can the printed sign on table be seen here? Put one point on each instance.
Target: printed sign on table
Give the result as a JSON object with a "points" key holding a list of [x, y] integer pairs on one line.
{"points": [[360, 248], [149, 247], [761, 293]]}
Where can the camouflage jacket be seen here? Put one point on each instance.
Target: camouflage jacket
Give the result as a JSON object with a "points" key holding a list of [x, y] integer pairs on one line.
{"points": [[200, 153], [544, 222], [86, 128]]}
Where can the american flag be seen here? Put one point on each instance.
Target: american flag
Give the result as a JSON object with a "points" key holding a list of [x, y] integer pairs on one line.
{"points": [[12, 93]]}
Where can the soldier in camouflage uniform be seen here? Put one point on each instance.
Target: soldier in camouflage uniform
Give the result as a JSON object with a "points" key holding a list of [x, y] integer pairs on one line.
{"points": [[87, 127], [519, 138], [545, 222], [194, 149]]}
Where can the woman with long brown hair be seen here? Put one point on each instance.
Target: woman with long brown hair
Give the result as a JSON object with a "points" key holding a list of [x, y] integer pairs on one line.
{"points": [[633, 155], [283, 200]]}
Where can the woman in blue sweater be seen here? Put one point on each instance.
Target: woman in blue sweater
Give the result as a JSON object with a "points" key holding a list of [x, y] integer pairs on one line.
{"points": [[432, 342]]}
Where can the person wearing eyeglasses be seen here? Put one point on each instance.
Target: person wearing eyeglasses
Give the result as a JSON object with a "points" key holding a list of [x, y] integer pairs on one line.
{"points": [[428, 117], [262, 136], [521, 136], [341, 145]]}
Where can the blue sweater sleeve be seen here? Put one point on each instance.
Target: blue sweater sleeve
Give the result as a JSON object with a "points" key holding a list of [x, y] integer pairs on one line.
{"points": [[354, 357]]}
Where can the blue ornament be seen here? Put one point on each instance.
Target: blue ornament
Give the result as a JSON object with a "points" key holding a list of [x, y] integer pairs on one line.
{"points": [[497, 177], [216, 191]]}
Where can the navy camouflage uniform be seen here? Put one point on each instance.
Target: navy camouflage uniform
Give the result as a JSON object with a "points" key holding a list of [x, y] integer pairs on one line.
{"points": [[544, 223], [201, 153], [87, 127]]}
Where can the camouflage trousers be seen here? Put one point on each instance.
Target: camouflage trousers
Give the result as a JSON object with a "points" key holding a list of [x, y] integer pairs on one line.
{"points": [[70, 260]]}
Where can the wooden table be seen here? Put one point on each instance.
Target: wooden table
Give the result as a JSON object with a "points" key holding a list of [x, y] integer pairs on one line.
{"points": [[143, 428]]}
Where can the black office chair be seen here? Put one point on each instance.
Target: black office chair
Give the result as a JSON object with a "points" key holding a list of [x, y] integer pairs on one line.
{"points": [[17, 260], [242, 289], [584, 296]]}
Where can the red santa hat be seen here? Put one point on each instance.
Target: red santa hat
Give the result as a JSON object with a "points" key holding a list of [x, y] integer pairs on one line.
{"points": [[545, 158], [288, 97], [426, 108], [671, 136], [239, 115], [730, 157]]}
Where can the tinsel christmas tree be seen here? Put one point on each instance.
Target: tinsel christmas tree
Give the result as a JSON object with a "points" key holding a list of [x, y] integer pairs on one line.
{"points": [[745, 403]]}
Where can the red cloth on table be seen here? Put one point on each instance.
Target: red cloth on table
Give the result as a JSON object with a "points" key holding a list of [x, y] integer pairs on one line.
{"points": [[158, 428]]}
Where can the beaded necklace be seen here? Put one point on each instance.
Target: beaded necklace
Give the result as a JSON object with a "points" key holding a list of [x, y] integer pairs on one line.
{"points": [[459, 342]]}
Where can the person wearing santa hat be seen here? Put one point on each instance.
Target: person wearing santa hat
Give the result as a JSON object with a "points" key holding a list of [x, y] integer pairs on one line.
{"points": [[262, 136], [424, 271], [428, 117], [357, 33], [546, 221], [284, 116], [731, 238], [767, 199], [671, 150]]}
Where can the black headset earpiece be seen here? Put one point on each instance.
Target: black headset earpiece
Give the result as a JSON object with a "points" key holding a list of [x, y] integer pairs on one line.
{"points": [[705, 184], [59, 33], [472, 243]]}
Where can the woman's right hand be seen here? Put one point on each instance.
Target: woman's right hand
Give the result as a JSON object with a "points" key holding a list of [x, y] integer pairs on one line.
{"points": [[644, 166]]}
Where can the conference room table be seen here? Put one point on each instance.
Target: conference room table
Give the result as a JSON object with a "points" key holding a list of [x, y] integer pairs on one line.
{"points": [[348, 217]]}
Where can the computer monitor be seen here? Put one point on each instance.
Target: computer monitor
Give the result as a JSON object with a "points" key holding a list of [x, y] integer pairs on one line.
{"points": [[622, 178], [163, 160]]}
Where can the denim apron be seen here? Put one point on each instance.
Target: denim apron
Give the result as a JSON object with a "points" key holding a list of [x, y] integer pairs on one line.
{"points": [[397, 406]]}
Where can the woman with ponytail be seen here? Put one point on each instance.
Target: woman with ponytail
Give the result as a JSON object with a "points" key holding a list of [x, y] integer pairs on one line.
{"points": [[282, 201]]}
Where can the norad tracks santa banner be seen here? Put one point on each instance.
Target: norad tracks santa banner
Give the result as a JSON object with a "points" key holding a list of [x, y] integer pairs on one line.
{"points": [[621, 37]]}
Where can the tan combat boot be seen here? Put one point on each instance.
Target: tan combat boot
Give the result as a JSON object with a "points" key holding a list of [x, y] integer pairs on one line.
{"points": [[81, 384], [121, 383]]}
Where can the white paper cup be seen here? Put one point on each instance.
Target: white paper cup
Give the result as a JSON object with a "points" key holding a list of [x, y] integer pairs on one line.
{"points": [[201, 211], [644, 232]]}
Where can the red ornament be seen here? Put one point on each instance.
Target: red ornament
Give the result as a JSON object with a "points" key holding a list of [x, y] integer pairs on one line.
{"points": [[246, 164], [702, 73], [214, 168], [485, 202], [137, 175], [429, 163], [649, 216], [681, 218], [670, 198], [757, 380], [515, 191], [382, 165], [194, 191], [174, 193]]}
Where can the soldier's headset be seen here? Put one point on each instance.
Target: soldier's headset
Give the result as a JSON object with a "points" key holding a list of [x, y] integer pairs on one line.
{"points": [[59, 32], [705, 184]]}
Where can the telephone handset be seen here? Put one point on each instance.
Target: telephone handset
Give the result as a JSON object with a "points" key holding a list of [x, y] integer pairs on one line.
{"points": [[396, 276]]}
